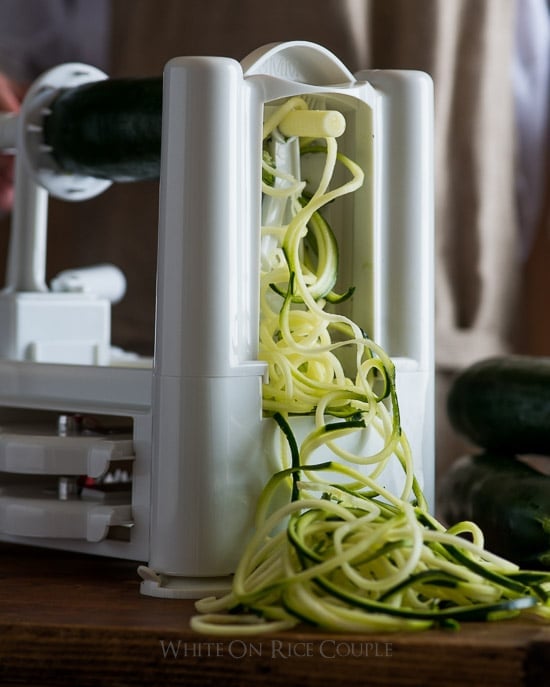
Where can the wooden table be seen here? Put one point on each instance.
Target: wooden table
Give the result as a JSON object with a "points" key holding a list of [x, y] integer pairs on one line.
{"points": [[68, 619]]}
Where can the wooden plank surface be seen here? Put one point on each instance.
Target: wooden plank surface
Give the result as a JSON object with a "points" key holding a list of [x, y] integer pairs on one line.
{"points": [[71, 619]]}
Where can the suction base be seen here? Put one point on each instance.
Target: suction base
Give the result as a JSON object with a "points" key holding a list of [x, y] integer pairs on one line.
{"points": [[178, 587]]}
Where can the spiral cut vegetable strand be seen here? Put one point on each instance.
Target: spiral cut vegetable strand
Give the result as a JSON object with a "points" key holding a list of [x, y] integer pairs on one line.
{"points": [[342, 552]]}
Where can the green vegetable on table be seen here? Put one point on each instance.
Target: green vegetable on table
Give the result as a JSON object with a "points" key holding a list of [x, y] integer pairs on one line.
{"points": [[502, 404], [509, 501]]}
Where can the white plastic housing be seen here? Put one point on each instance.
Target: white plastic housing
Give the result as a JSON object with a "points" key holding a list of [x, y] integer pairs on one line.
{"points": [[210, 446], [206, 380], [55, 328]]}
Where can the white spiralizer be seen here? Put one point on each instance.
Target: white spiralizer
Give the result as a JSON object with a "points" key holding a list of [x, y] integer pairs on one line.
{"points": [[161, 461]]}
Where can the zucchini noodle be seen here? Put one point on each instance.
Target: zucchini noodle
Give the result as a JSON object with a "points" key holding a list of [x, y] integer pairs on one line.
{"points": [[343, 552]]}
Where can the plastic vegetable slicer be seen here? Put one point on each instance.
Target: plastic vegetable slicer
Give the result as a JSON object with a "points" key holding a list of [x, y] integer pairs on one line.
{"points": [[162, 461]]}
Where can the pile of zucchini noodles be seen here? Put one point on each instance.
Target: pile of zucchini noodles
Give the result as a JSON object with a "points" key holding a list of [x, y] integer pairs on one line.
{"points": [[332, 547]]}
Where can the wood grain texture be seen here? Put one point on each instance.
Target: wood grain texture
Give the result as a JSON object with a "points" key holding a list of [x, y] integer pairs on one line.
{"points": [[70, 619]]}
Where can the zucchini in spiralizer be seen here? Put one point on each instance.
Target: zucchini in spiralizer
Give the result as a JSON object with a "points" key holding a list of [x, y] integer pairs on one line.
{"points": [[510, 502], [502, 404]]}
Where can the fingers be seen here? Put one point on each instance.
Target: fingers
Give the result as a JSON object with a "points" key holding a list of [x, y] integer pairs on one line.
{"points": [[11, 94], [6, 183]]}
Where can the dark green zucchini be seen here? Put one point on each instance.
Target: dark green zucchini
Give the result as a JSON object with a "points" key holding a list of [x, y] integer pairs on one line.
{"points": [[108, 129], [509, 500], [503, 404]]}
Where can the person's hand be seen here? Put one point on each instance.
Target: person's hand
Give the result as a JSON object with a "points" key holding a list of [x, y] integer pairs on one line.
{"points": [[11, 94]]}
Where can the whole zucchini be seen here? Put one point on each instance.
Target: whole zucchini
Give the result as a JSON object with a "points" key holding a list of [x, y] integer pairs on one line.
{"points": [[503, 404], [507, 499], [108, 129]]}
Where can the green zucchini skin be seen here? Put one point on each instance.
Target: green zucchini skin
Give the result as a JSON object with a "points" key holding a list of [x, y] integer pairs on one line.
{"points": [[503, 404], [507, 499], [108, 129]]}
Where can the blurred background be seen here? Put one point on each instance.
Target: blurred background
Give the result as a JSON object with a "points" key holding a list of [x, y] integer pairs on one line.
{"points": [[489, 60]]}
